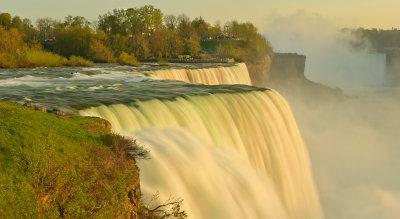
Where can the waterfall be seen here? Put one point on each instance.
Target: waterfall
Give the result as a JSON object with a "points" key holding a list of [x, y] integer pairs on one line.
{"points": [[236, 74], [228, 155]]}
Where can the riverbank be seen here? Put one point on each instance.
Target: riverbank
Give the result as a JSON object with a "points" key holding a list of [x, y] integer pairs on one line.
{"points": [[64, 167]]}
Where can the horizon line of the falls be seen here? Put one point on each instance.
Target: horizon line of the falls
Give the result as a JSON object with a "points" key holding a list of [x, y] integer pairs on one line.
{"points": [[228, 155], [235, 74]]}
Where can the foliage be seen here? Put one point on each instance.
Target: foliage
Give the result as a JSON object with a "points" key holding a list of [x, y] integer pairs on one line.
{"points": [[165, 43], [376, 39], [141, 21], [191, 47], [126, 59], [78, 61], [73, 40], [46, 28], [126, 145], [53, 167], [80, 21], [228, 50], [98, 52], [5, 20], [142, 32], [211, 45], [14, 52]]}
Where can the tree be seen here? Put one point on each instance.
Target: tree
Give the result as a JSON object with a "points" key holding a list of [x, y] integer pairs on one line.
{"points": [[151, 17], [29, 31], [119, 44], [46, 27], [11, 41], [185, 28], [16, 23], [165, 43], [134, 22], [139, 46], [98, 52], [76, 21], [73, 40], [171, 21], [5, 20], [201, 27], [191, 47]]}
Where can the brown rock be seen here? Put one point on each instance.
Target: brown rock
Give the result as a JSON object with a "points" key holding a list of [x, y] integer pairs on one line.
{"points": [[29, 105]]}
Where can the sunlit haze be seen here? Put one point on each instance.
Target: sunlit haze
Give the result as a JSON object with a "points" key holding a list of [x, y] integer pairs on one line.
{"points": [[350, 13]]}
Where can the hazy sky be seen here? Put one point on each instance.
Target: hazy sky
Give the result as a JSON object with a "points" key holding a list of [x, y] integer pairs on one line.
{"points": [[342, 13]]}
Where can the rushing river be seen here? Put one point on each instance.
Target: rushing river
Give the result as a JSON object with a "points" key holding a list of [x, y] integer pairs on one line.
{"points": [[229, 149]]}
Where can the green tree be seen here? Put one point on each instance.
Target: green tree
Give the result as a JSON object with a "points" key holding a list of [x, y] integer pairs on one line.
{"points": [[119, 44], [16, 23], [201, 27], [185, 28], [165, 43], [191, 47], [73, 40], [5, 20], [151, 17], [76, 21]]}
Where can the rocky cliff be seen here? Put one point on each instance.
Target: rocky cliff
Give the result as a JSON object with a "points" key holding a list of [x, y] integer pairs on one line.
{"points": [[287, 76], [259, 70]]}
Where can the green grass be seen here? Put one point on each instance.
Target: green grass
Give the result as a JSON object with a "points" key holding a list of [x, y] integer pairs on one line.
{"points": [[55, 167], [211, 45]]}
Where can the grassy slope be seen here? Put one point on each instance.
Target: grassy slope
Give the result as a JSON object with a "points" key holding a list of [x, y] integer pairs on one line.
{"points": [[52, 167], [211, 45]]}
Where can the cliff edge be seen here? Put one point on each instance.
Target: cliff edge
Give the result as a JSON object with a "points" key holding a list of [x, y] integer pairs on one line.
{"points": [[287, 77]]}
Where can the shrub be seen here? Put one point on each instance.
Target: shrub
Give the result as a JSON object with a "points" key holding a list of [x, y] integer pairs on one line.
{"points": [[38, 58], [126, 59], [123, 145], [78, 61], [14, 53], [100, 53]]}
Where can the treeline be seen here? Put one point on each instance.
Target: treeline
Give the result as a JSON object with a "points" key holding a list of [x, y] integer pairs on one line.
{"points": [[131, 34], [20, 46], [376, 39]]}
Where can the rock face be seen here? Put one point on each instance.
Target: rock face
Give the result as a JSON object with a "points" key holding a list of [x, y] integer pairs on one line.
{"points": [[287, 77], [102, 127], [393, 66], [287, 66], [259, 71]]}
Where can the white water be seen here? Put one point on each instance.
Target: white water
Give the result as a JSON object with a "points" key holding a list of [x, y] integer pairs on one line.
{"points": [[237, 74], [237, 155]]}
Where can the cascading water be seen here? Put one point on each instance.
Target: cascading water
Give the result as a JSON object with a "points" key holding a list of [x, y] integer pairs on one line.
{"points": [[236, 74], [228, 155], [230, 151]]}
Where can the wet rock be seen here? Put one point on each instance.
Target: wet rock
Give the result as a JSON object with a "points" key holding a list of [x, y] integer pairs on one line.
{"points": [[41, 109], [29, 105]]}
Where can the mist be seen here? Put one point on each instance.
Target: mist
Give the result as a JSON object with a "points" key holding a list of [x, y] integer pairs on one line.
{"points": [[353, 143], [329, 59]]}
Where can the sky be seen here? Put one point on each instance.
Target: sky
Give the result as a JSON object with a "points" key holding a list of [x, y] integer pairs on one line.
{"points": [[342, 13]]}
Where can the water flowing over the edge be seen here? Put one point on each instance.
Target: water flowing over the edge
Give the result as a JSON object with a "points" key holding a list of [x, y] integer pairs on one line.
{"points": [[236, 74], [227, 155]]}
